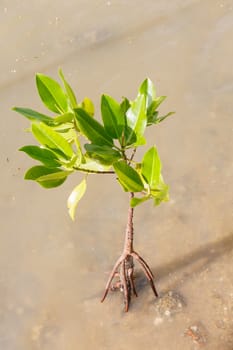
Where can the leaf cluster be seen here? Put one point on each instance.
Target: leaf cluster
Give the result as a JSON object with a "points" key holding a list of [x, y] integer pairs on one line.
{"points": [[109, 146]]}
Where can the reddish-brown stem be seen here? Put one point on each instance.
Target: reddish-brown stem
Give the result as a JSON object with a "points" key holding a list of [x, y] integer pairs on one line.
{"points": [[119, 261], [124, 267], [128, 247]]}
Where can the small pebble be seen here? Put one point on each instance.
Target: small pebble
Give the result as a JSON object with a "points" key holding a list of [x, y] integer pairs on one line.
{"points": [[197, 333]]}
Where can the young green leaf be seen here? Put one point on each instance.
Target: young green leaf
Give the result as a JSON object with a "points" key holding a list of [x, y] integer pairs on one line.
{"points": [[67, 131], [158, 101], [69, 134], [52, 139], [112, 117], [128, 177], [151, 119], [88, 106], [136, 121], [69, 91], [64, 118], [151, 167], [63, 127], [152, 109], [43, 155], [51, 94], [92, 129], [33, 115], [136, 201], [160, 194], [147, 89], [160, 119], [37, 173], [75, 197], [103, 153]]}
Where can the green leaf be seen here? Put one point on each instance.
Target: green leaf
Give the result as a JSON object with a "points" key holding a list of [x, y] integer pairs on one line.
{"points": [[159, 100], [160, 119], [136, 121], [125, 105], [71, 136], [102, 153], [64, 118], [151, 119], [68, 133], [147, 89], [160, 194], [151, 167], [112, 116], [45, 156], [37, 173], [154, 105], [69, 91], [54, 176], [75, 197], [152, 112], [129, 137], [88, 106], [51, 94], [136, 201], [33, 115], [63, 127], [92, 165], [128, 177], [48, 137], [92, 129], [39, 170], [71, 164]]}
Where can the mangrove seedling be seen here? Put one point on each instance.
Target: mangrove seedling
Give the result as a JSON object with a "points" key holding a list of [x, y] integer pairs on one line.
{"points": [[71, 140]]}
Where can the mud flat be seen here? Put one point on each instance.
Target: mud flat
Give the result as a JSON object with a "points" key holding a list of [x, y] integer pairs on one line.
{"points": [[52, 272]]}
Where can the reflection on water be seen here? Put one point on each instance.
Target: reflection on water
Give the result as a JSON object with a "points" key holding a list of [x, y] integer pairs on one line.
{"points": [[53, 271]]}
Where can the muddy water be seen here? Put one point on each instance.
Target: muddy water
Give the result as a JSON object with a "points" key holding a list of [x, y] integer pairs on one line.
{"points": [[53, 271]]}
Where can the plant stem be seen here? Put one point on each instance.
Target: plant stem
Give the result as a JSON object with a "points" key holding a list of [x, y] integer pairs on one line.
{"points": [[89, 171], [133, 154], [124, 266], [128, 246]]}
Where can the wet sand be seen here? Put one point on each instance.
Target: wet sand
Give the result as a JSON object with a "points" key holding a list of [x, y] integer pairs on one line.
{"points": [[53, 271]]}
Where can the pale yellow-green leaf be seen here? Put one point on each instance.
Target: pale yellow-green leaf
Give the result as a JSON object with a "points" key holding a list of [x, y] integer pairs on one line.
{"points": [[75, 197], [92, 166], [88, 106]]}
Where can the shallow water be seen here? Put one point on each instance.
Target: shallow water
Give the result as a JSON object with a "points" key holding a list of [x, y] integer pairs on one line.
{"points": [[53, 271]]}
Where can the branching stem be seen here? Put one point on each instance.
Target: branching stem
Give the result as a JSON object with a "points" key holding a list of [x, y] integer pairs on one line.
{"points": [[124, 267]]}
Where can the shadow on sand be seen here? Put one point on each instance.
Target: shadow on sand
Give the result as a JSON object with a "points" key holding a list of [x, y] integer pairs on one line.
{"points": [[189, 264]]}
